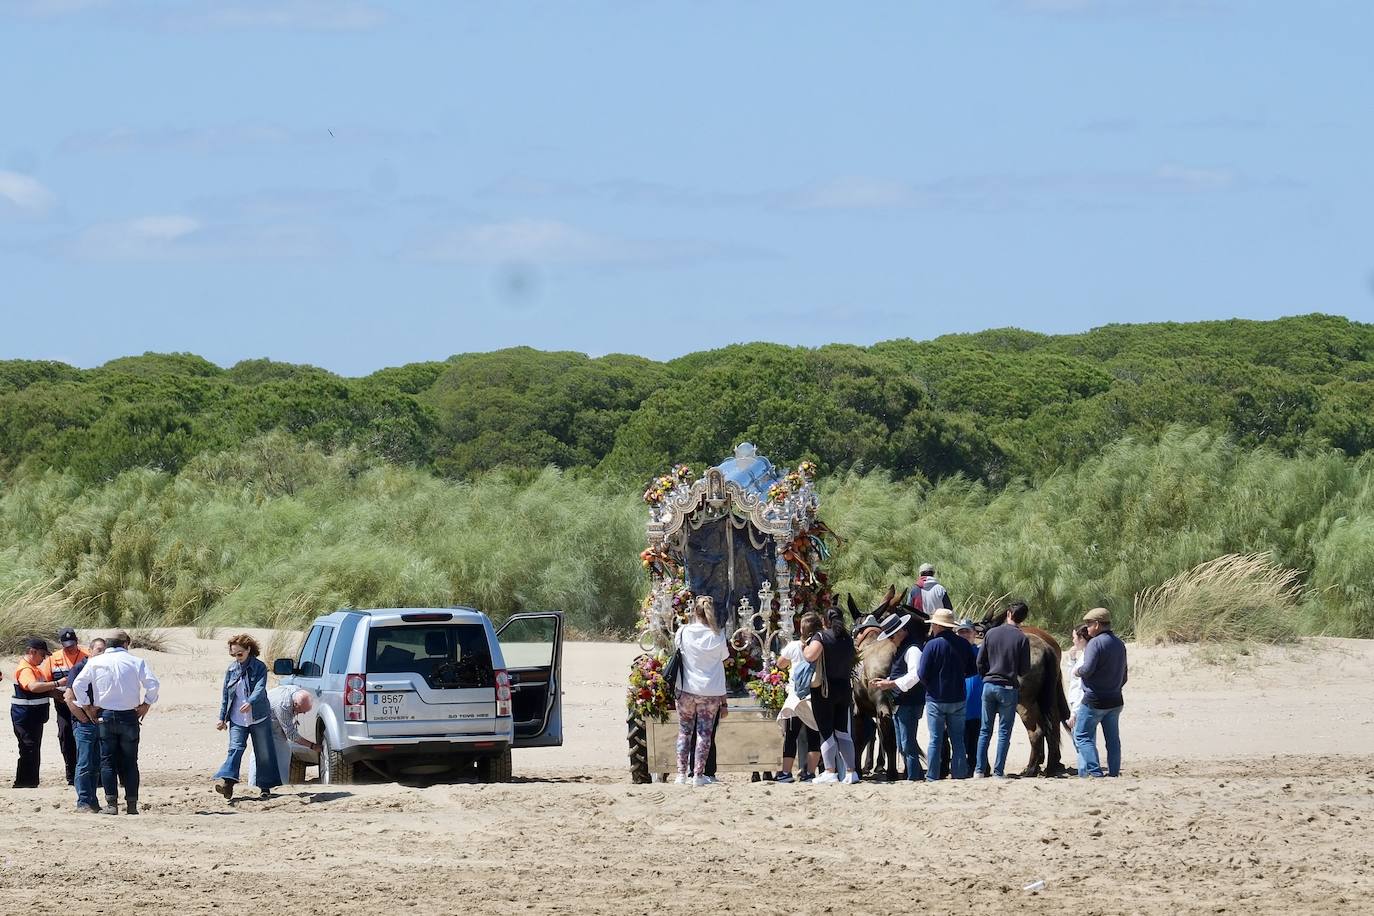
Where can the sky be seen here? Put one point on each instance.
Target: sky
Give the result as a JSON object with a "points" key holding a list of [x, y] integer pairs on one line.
{"points": [[358, 184]]}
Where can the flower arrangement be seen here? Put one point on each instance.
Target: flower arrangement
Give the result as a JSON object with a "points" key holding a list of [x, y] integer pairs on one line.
{"points": [[683, 474], [807, 469], [741, 667], [659, 488], [770, 688], [779, 492], [647, 695]]}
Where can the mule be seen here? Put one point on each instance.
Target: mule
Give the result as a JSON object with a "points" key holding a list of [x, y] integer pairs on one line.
{"points": [[1042, 706]]}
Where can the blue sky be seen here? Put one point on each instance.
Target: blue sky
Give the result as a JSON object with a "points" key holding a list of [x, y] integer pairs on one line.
{"points": [[357, 184]]}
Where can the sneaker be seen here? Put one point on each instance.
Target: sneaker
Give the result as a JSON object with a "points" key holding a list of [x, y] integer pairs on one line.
{"points": [[826, 778], [850, 779], [225, 787], [783, 776], [265, 794], [112, 808], [806, 776], [980, 775], [681, 779], [704, 781], [83, 808]]}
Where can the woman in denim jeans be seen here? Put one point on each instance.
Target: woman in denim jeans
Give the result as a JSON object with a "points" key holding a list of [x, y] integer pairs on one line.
{"points": [[245, 711]]}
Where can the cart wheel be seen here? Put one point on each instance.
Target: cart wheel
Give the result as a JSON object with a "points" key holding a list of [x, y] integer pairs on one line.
{"points": [[639, 750]]}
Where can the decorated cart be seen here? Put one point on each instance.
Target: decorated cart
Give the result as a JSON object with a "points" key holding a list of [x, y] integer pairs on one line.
{"points": [[746, 534]]}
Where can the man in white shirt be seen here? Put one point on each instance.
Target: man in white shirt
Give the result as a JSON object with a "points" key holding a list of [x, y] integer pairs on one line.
{"points": [[121, 691]]}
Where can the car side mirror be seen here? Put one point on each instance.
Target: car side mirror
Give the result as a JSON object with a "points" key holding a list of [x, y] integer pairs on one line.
{"points": [[284, 667]]}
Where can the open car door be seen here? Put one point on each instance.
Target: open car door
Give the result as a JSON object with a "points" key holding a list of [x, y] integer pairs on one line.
{"points": [[533, 648]]}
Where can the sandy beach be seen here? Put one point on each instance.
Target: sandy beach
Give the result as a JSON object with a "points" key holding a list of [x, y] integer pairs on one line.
{"points": [[1248, 786]]}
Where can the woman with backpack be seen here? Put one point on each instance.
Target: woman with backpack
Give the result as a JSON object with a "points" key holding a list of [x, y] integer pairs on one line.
{"points": [[789, 659], [832, 650], [700, 691]]}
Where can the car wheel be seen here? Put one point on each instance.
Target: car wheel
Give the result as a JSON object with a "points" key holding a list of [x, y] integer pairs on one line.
{"points": [[495, 769], [334, 770], [296, 772]]}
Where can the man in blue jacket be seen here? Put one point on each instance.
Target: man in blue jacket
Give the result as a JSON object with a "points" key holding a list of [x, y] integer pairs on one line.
{"points": [[945, 662], [1103, 672]]}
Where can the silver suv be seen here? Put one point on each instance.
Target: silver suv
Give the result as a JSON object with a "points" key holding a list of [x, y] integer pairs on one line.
{"points": [[420, 691]]}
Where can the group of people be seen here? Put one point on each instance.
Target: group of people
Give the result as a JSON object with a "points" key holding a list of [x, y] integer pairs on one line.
{"points": [[964, 680], [100, 695]]}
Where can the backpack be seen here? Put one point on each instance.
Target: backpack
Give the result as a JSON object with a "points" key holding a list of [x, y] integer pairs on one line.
{"points": [[802, 672]]}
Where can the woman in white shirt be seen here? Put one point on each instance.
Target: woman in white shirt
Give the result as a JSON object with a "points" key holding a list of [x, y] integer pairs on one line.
{"points": [[1070, 664], [700, 689], [790, 655]]}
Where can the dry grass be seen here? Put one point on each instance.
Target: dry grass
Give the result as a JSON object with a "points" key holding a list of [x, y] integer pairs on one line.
{"points": [[981, 609], [288, 626], [1233, 599], [34, 610]]}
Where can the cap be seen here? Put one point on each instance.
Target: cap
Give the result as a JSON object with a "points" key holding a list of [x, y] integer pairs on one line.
{"points": [[892, 624], [35, 643], [966, 624], [1098, 615], [66, 635], [926, 569]]}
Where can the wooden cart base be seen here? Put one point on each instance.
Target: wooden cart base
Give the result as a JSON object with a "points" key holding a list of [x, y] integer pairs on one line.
{"points": [[748, 740]]}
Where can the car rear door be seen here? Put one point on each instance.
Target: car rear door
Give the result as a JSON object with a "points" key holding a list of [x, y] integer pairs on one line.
{"points": [[532, 645], [430, 674], [309, 673]]}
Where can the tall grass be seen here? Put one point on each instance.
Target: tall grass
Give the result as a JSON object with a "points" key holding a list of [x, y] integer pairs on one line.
{"points": [[276, 532], [34, 610], [1232, 598]]}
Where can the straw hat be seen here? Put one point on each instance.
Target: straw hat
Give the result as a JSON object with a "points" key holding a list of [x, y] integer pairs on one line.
{"points": [[944, 617]]}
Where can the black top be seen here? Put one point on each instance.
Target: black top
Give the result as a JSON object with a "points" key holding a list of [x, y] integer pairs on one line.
{"points": [[839, 658], [1005, 658]]}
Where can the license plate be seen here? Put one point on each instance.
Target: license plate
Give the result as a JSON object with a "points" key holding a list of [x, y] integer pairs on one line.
{"points": [[388, 707]]}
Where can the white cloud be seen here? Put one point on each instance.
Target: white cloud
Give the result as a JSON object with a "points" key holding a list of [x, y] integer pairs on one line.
{"points": [[218, 138], [316, 15], [1101, 8], [852, 193], [26, 194], [327, 15], [178, 237], [553, 242]]}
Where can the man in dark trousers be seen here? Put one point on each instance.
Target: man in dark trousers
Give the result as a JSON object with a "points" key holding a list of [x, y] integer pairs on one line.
{"points": [[58, 669], [1005, 659], [903, 681], [29, 711], [1103, 672], [945, 662]]}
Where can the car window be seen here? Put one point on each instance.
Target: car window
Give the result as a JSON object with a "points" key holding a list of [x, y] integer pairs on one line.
{"points": [[307, 651], [338, 662], [529, 642], [444, 654], [314, 666]]}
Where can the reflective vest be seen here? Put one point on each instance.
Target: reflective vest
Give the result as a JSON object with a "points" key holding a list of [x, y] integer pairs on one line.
{"points": [[59, 666], [27, 704]]}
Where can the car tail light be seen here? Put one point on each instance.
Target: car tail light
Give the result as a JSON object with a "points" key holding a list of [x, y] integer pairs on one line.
{"points": [[355, 698], [502, 693]]}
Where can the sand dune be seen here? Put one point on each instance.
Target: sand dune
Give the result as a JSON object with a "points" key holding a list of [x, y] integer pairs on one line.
{"points": [[1249, 787]]}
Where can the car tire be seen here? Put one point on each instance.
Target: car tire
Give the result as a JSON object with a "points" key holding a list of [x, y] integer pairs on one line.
{"points": [[296, 772], [334, 769], [495, 769]]}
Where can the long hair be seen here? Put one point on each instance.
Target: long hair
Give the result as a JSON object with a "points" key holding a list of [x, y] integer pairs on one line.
{"points": [[835, 620], [811, 624], [704, 611]]}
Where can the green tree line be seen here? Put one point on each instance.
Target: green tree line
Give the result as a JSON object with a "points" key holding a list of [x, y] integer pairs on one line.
{"points": [[994, 406]]}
